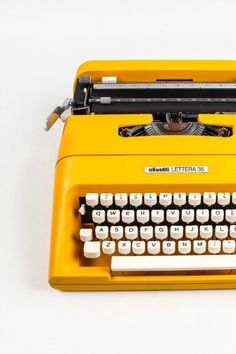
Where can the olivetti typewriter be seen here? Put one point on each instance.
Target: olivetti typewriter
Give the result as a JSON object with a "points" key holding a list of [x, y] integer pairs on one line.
{"points": [[145, 181]]}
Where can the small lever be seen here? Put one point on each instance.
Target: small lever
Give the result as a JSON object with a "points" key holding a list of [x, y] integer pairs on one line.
{"points": [[62, 112]]}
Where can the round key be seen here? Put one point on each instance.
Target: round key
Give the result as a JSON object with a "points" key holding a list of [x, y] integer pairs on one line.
{"points": [[91, 199], [143, 216], [172, 216], [116, 232], [168, 247], [101, 232], [146, 232], [232, 231], [153, 247], [161, 232], [179, 199], [127, 216], [217, 215], [223, 198], [106, 199], [86, 234], [191, 231], [228, 246], [176, 232], [234, 198], [165, 199], [98, 216], [230, 215], [187, 215], [124, 247], [92, 249], [108, 247], [214, 246], [157, 216], [136, 199], [113, 216], [194, 199], [184, 247], [138, 247], [209, 198], [121, 199], [202, 215], [131, 232], [199, 246], [150, 199], [221, 231], [206, 231]]}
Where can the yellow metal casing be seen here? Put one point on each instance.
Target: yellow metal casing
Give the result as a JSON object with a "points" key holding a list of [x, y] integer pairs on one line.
{"points": [[94, 158]]}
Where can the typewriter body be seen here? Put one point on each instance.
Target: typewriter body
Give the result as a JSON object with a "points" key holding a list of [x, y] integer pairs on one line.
{"points": [[145, 179]]}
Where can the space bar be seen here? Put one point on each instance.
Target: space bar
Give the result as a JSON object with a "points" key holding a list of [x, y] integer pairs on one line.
{"points": [[172, 263]]}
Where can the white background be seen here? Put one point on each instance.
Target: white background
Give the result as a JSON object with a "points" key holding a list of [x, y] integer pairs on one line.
{"points": [[42, 43]]}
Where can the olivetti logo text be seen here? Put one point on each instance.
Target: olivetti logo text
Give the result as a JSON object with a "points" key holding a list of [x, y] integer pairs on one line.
{"points": [[176, 169]]}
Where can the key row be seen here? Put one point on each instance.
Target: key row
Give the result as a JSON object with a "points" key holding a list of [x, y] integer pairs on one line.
{"points": [[159, 232], [164, 199], [158, 216], [93, 249]]}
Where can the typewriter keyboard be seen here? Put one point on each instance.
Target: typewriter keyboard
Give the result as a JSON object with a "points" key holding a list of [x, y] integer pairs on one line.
{"points": [[160, 232]]}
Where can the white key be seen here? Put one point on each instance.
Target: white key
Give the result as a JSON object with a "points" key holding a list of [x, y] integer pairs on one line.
{"points": [[136, 199], [153, 247], [179, 199], [101, 232], [191, 231], [127, 216], [217, 215], [108, 247], [232, 231], [121, 199], [146, 232], [91, 199], [168, 247], [230, 215], [98, 216], [174, 263], [214, 246], [172, 216], [131, 232], [157, 216], [234, 198], [194, 199], [86, 234], [228, 246], [82, 209], [150, 199], [199, 246], [165, 199], [117, 232], [113, 216], [106, 199], [202, 215], [138, 247], [209, 198], [184, 247], [206, 231], [161, 232], [109, 79], [143, 216], [176, 232], [124, 247], [92, 249], [187, 215], [221, 231], [223, 198]]}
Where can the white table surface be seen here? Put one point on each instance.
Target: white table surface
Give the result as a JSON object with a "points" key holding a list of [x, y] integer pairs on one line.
{"points": [[42, 43]]}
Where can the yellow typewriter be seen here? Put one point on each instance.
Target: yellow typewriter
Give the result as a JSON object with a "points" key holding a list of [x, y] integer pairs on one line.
{"points": [[145, 180]]}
